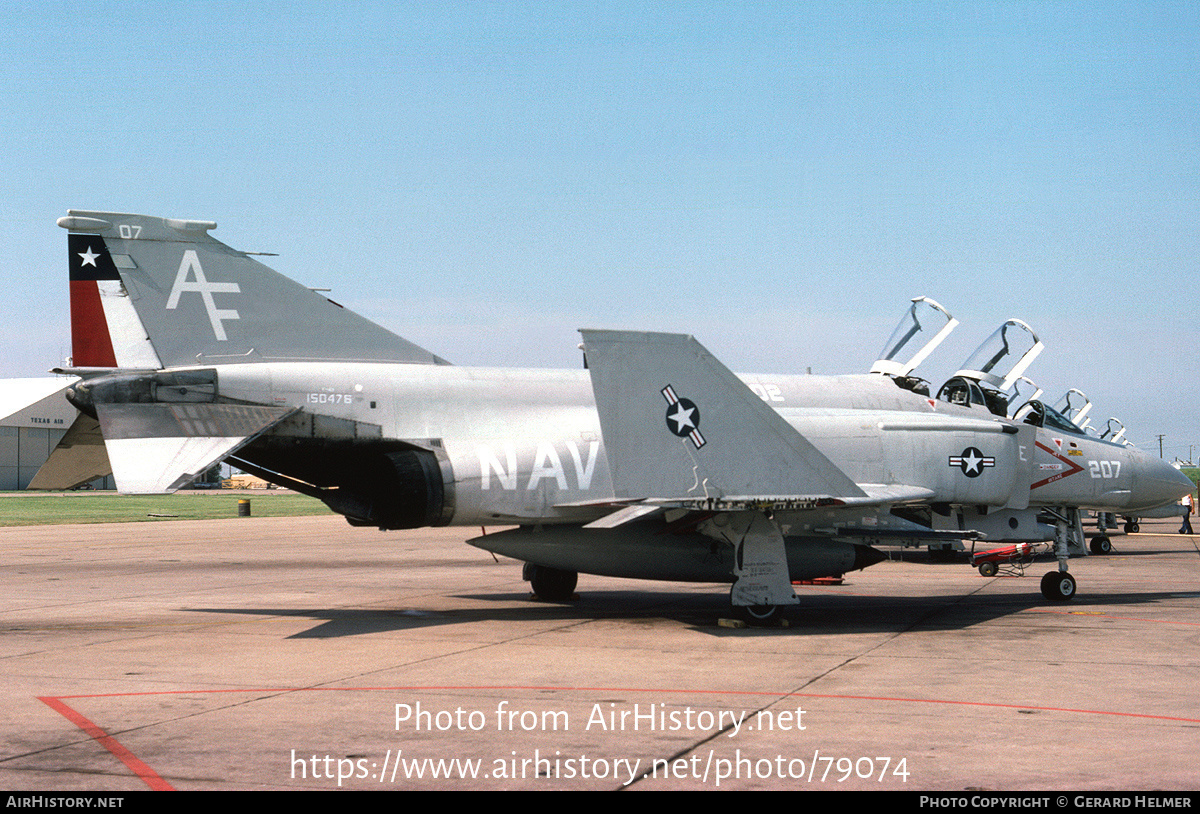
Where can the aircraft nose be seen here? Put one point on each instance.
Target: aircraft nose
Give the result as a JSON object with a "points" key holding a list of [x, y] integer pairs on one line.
{"points": [[1160, 483]]}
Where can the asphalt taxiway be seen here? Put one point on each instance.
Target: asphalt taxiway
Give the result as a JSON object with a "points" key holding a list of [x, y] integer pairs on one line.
{"points": [[301, 653]]}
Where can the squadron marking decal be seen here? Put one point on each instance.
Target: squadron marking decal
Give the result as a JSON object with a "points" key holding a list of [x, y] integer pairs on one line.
{"points": [[684, 415]]}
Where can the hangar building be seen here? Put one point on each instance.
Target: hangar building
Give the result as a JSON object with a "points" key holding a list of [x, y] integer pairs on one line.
{"points": [[34, 416]]}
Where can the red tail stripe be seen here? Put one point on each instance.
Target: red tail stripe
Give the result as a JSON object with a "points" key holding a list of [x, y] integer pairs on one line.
{"points": [[91, 345]]}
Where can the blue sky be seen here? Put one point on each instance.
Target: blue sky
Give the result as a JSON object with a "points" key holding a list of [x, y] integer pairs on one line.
{"points": [[777, 178]]}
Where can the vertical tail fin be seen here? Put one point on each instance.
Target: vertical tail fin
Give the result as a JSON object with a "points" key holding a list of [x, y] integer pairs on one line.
{"points": [[159, 292], [727, 442]]}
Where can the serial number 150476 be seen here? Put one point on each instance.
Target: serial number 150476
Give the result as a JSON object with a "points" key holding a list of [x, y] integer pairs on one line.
{"points": [[329, 398]]}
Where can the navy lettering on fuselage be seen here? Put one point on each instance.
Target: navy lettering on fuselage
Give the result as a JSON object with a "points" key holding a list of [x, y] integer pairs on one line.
{"points": [[547, 464]]}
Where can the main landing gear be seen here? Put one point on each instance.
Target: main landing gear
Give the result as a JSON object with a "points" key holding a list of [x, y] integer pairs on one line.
{"points": [[756, 615], [762, 584]]}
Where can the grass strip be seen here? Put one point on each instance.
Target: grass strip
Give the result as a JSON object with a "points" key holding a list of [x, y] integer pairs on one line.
{"points": [[40, 509]]}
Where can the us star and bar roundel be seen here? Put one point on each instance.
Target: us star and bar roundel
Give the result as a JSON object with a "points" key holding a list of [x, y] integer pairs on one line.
{"points": [[972, 462], [683, 417]]}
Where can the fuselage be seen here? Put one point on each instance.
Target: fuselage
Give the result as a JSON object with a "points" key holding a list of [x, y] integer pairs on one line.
{"points": [[524, 445]]}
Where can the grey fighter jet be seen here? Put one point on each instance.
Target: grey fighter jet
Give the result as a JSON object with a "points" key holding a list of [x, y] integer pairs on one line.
{"points": [[656, 462]]}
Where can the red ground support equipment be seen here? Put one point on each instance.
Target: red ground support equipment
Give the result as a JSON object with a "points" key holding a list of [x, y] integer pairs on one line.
{"points": [[1012, 559]]}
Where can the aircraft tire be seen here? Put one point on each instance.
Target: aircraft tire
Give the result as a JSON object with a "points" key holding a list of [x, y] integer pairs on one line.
{"points": [[553, 584], [1101, 545], [1058, 586], [988, 569]]}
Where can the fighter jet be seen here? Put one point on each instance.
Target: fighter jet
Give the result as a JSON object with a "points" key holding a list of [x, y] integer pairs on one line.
{"points": [[655, 462]]}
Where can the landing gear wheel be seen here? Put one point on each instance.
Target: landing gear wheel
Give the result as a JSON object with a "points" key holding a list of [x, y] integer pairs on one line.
{"points": [[1137, 527], [757, 615], [1101, 545], [1058, 586], [552, 584], [988, 569]]}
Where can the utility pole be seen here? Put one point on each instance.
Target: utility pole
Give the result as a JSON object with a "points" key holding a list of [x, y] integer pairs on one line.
{"points": [[1160, 438]]}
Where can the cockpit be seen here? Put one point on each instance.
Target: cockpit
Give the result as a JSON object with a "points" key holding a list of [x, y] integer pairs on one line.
{"points": [[992, 377], [1068, 415], [985, 379], [965, 392], [922, 328], [995, 367], [1040, 415]]}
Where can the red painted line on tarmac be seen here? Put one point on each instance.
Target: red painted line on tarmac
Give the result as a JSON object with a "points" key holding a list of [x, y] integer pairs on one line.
{"points": [[1110, 616], [148, 775]]}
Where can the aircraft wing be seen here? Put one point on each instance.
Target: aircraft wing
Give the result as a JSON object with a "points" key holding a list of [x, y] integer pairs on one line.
{"points": [[680, 427], [682, 432]]}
